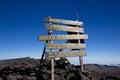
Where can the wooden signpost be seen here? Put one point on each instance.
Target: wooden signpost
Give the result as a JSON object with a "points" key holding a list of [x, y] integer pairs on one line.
{"points": [[76, 34]]}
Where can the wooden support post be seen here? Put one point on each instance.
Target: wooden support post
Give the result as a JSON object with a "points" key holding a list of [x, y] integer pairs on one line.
{"points": [[81, 63], [52, 59], [52, 67], [80, 57]]}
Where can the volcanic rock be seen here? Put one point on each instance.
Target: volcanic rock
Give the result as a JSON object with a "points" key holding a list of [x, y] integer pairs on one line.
{"points": [[35, 69]]}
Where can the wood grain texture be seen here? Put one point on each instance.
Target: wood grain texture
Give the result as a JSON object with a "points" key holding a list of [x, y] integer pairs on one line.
{"points": [[62, 21], [63, 28], [64, 54], [67, 45], [63, 37]]}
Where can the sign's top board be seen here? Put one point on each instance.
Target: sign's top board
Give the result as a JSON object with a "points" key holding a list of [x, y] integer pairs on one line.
{"points": [[62, 21]]}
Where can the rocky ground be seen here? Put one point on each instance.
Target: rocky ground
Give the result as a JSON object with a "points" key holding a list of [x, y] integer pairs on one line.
{"points": [[30, 69]]}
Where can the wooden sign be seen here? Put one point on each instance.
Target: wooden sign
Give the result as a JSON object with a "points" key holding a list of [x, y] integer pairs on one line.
{"points": [[63, 28], [61, 21], [64, 54], [67, 45], [63, 37]]}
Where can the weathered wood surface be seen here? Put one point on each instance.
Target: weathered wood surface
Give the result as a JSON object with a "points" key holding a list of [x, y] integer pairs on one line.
{"points": [[63, 37], [61, 21], [63, 28], [64, 54], [67, 45]]}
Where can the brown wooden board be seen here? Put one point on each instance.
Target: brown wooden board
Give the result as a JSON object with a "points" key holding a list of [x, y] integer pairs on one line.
{"points": [[63, 28], [62, 37], [61, 21], [64, 54], [67, 45]]}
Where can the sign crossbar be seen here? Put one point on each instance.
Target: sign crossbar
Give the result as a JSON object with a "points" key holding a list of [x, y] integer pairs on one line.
{"points": [[62, 37], [62, 21], [64, 54], [63, 28], [67, 45]]}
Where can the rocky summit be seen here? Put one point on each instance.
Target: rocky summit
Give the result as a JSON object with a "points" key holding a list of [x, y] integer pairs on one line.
{"points": [[36, 69]]}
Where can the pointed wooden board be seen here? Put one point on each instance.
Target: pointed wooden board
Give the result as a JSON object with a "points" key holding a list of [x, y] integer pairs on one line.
{"points": [[61, 21], [63, 28], [64, 54], [67, 45], [62, 37]]}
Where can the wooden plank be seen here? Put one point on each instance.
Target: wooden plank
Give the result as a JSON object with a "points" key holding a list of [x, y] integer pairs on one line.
{"points": [[61, 21], [67, 45], [64, 54], [62, 37], [52, 68], [63, 28]]}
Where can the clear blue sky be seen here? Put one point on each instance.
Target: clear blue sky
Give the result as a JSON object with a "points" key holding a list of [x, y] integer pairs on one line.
{"points": [[21, 21]]}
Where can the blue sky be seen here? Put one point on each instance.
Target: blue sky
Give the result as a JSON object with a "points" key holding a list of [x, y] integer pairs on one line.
{"points": [[21, 21]]}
